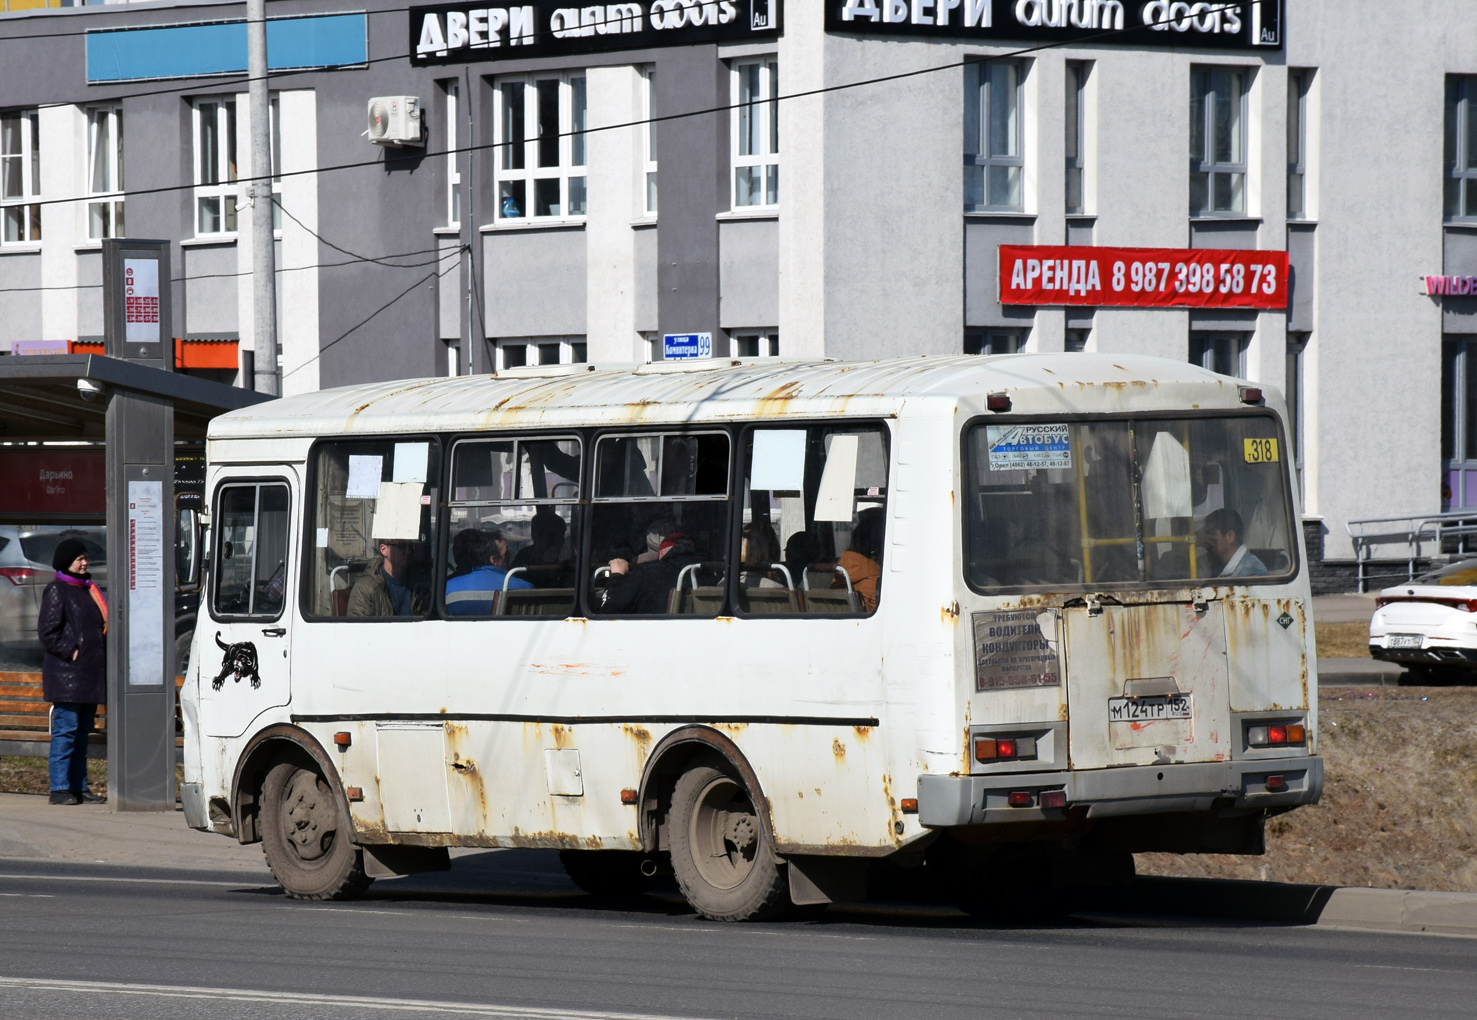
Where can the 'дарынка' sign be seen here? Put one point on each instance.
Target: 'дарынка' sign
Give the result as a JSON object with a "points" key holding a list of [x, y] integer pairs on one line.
{"points": [[468, 32], [1142, 277], [1207, 24]]}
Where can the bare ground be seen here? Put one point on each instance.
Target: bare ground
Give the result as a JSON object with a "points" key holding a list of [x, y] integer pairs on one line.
{"points": [[1399, 807], [1342, 640], [28, 775]]}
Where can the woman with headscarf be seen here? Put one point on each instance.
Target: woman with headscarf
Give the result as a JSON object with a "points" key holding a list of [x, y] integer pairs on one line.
{"points": [[72, 626]]}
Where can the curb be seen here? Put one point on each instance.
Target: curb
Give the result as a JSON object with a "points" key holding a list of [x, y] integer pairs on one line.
{"points": [[1358, 673], [1396, 910]]}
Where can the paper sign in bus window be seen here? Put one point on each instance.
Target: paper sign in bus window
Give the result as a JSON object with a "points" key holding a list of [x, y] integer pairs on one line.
{"points": [[836, 500], [779, 460], [364, 477], [1029, 447], [410, 462], [397, 512], [1166, 482]]}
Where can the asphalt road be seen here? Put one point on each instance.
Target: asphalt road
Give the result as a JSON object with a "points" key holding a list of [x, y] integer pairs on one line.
{"points": [[505, 935]]}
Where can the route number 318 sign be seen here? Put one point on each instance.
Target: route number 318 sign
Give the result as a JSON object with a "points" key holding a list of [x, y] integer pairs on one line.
{"points": [[1142, 277]]}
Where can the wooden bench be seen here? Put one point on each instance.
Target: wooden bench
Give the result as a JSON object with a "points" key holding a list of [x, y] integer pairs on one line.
{"points": [[25, 718]]}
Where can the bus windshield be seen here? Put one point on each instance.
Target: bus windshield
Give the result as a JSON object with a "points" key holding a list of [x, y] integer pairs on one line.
{"points": [[1144, 501]]}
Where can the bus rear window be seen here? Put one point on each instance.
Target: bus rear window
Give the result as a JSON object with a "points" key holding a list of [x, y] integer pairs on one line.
{"points": [[1161, 501]]}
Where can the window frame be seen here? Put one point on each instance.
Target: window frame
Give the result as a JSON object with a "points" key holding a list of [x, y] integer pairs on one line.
{"points": [[227, 165], [1294, 568], [1459, 150], [1299, 80], [461, 439], [766, 109], [979, 99], [573, 350], [106, 203], [27, 202], [573, 142], [659, 432], [1209, 339], [453, 207], [766, 341], [1076, 110], [1209, 165], [213, 588], [649, 162], [986, 335]]}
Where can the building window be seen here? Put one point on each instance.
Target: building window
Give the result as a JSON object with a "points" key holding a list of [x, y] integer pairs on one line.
{"points": [[1076, 135], [994, 341], [765, 344], [1217, 142], [453, 169], [215, 166], [1297, 143], [756, 135], [993, 165], [540, 137], [1297, 347], [1222, 353], [1076, 340], [541, 350], [276, 143], [648, 86], [105, 172], [20, 177], [1461, 150]]}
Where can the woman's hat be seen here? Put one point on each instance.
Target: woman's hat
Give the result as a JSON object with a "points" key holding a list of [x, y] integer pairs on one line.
{"points": [[67, 550]]}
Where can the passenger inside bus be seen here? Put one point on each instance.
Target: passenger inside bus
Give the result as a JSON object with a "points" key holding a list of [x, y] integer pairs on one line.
{"points": [[390, 585], [543, 559], [759, 552], [481, 560], [647, 587], [1221, 535], [863, 561]]}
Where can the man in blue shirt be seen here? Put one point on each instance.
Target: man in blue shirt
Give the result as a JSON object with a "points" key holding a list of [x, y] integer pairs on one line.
{"points": [[1221, 534], [481, 559]]}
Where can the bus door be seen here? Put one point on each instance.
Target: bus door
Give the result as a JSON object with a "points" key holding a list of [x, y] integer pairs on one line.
{"points": [[242, 639], [1147, 684]]}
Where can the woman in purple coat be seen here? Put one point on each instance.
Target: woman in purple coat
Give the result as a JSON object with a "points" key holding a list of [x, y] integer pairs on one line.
{"points": [[74, 677]]}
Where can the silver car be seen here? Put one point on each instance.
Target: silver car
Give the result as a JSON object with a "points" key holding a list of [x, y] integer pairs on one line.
{"points": [[25, 571]]}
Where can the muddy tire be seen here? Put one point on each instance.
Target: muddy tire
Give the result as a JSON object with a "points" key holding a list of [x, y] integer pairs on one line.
{"points": [[306, 836], [720, 854], [606, 874]]}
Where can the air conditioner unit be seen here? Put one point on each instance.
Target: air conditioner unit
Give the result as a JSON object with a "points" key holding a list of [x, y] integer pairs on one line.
{"points": [[395, 120]]}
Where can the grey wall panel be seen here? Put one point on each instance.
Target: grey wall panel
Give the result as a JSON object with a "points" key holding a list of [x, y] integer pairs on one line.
{"points": [[211, 289], [691, 78], [1302, 252], [449, 291], [748, 273], [1228, 320], [1239, 235], [982, 239], [20, 310], [535, 282], [90, 293], [646, 280], [1080, 231]]}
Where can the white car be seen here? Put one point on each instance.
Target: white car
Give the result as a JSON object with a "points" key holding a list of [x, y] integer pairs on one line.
{"points": [[1429, 624]]}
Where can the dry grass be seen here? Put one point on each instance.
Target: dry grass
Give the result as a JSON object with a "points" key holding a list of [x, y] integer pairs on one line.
{"points": [[1399, 807], [28, 775], [1342, 640]]}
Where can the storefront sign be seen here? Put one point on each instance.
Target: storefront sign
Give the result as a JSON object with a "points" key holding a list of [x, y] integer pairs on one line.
{"points": [[40, 480], [464, 33], [23, 347], [1142, 277], [1252, 24], [1449, 286]]}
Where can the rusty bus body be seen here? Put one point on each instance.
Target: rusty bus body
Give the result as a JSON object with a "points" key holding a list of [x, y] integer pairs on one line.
{"points": [[1053, 659]]}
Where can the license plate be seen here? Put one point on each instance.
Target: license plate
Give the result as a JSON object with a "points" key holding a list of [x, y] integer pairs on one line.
{"points": [[1404, 641], [1168, 706]]}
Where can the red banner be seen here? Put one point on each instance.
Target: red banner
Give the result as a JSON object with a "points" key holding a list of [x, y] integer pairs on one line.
{"points": [[52, 480], [1142, 277]]}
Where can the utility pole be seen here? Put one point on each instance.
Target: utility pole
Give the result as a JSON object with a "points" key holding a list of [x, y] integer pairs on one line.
{"points": [[263, 245]]}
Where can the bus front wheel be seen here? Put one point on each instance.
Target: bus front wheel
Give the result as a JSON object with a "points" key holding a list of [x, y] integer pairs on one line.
{"points": [[720, 854], [305, 836]]}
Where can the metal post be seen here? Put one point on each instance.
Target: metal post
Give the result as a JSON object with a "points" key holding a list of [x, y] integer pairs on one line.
{"points": [[263, 244]]}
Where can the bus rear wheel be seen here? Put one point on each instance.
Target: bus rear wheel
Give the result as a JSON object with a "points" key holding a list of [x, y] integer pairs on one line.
{"points": [[720, 855], [305, 836]]}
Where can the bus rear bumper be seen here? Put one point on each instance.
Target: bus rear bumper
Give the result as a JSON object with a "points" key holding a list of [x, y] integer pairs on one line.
{"points": [[945, 801]]}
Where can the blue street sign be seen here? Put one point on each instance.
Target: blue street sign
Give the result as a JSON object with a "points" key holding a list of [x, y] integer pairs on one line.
{"points": [[676, 346]]}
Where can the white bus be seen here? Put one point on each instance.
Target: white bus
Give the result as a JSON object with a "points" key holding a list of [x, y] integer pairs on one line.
{"points": [[769, 624]]}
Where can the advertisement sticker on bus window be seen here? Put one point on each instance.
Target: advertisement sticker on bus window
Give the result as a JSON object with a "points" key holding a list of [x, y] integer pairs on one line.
{"points": [[1028, 447], [1015, 649]]}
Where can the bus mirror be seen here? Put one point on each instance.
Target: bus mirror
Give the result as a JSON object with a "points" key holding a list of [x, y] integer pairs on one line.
{"points": [[188, 545]]}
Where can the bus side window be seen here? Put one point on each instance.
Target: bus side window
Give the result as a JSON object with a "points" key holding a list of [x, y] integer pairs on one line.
{"points": [[513, 527], [371, 529], [659, 525], [814, 519]]}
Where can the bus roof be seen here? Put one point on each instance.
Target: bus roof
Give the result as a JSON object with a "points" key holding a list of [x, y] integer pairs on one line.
{"points": [[722, 389]]}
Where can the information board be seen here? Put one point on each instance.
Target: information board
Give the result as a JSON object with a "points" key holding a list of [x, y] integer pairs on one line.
{"points": [[145, 584], [677, 346], [1142, 277]]}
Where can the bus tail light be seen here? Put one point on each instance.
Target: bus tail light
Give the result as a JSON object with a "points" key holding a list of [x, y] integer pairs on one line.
{"points": [[1277, 735], [909, 805], [1005, 748], [1020, 798], [998, 402], [628, 796], [1053, 798], [1276, 784], [1249, 394]]}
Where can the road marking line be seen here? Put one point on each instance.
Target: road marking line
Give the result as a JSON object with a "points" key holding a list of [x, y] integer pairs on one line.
{"points": [[29, 895], [140, 881], [294, 998]]}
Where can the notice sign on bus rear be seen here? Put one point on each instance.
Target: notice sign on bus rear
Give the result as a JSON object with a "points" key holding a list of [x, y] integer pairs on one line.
{"points": [[1017, 648], [1028, 447]]}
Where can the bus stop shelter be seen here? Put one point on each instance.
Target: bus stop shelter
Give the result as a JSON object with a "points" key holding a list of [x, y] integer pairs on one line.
{"points": [[141, 410]]}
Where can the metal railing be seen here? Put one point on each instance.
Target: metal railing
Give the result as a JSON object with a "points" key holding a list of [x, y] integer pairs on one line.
{"points": [[1414, 531]]}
